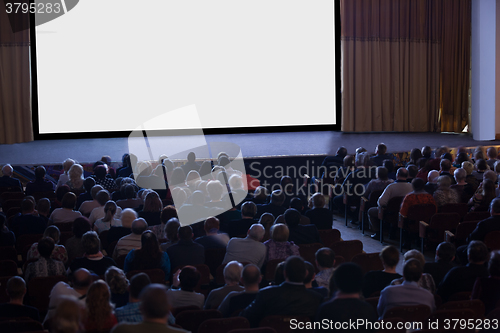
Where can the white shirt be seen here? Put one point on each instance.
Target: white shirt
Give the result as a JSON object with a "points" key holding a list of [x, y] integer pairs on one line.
{"points": [[64, 215], [98, 213], [245, 250], [62, 289]]}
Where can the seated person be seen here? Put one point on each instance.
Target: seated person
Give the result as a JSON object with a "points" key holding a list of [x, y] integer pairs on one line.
{"points": [[98, 213], [93, 259], [186, 251], [325, 260], [375, 281], [347, 305], [7, 237], [59, 253], [487, 289], [131, 311], [310, 278], [300, 234], [28, 222], [213, 239], [88, 206], [15, 308], [320, 216], [275, 206], [407, 293], [7, 180], [445, 254], [88, 184], [278, 247], [237, 228], [109, 219], [131, 241], [66, 212], [44, 266], [40, 184], [74, 244], [426, 281], [125, 228], [187, 279], [248, 249], [118, 285], [232, 275], [149, 256]]}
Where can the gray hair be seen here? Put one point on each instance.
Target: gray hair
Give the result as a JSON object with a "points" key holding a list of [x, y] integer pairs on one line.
{"points": [[232, 271], [91, 243], [256, 232]]}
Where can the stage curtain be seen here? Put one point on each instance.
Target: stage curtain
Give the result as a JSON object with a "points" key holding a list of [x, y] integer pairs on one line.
{"points": [[403, 61], [15, 86]]}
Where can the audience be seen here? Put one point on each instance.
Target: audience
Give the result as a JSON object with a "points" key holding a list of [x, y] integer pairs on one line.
{"points": [[40, 184], [68, 316], [426, 281], [248, 249], [149, 256], [59, 253], [347, 305], [88, 206], [232, 275], [320, 216], [66, 212], [167, 213], [15, 308], [407, 293], [93, 259], [445, 255], [487, 289], [130, 312], [74, 245], [275, 205], [118, 286], [444, 194], [483, 197], [28, 222], [108, 220], [44, 266], [185, 251], [171, 229], [310, 278], [97, 213], [237, 228], [100, 176], [278, 247], [213, 239], [123, 228], [99, 314], [75, 180], [464, 190], [152, 209], [187, 279], [300, 234], [7, 180], [131, 241], [376, 281], [267, 220], [325, 260], [236, 301], [289, 298]]}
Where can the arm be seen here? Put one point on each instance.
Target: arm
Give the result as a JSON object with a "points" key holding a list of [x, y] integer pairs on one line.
{"points": [[384, 197], [381, 305], [255, 311], [165, 265], [128, 261]]}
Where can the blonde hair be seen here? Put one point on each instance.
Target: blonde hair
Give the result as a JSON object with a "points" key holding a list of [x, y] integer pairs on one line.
{"points": [[67, 164], [75, 174], [280, 232], [128, 216], [468, 166]]}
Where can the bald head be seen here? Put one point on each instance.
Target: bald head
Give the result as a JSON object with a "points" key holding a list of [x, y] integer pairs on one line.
{"points": [[256, 232], [81, 279], [432, 176], [154, 302], [139, 226], [7, 170], [250, 276]]}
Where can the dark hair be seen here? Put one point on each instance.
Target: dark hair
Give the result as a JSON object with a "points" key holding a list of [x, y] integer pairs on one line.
{"points": [[191, 157], [88, 183], [481, 164], [185, 232], [292, 217], [45, 247], [189, 278], [412, 170], [129, 191], [149, 255], [296, 203], [61, 191], [171, 230], [415, 155], [27, 206], [390, 255], [295, 269], [250, 274], [154, 301], [167, 213], [40, 172], [477, 252], [418, 184], [446, 251], [348, 278], [211, 224], [342, 151], [310, 272], [16, 287], [412, 270], [494, 263], [126, 160], [279, 276], [102, 197], [80, 226], [206, 170], [100, 171], [382, 173], [389, 165], [43, 205], [426, 151], [137, 284], [325, 257], [277, 197], [91, 243], [69, 200], [445, 164], [249, 209], [461, 157]]}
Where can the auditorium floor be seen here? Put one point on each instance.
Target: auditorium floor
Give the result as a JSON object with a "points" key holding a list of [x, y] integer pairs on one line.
{"points": [[252, 145]]}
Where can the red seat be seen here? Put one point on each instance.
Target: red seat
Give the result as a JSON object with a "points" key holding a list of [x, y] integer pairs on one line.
{"points": [[6, 205], [460, 208], [281, 323], [368, 261], [176, 311], [463, 231], [64, 226], [15, 325], [348, 249], [492, 240], [475, 305], [476, 216], [191, 320], [433, 232], [329, 236], [38, 291], [223, 325], [308, 252], [410, 223]]}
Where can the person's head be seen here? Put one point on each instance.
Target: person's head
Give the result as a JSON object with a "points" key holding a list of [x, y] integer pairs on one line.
{"points": [[152, 203], [192, 177], [382, 173], [67, 316], [102, 197], [349, 161], [116, 280], [80, 226], [325, 258], [277, 197], [295, 269], [362, 159], [128, 217], [448, 157], [415, 254], [248, 209], [139, 226], [137, 284], [215, 190], [266, 220], [342, 152], [481, 165], [494, 264], [318, 200], [256, 232], [402, 174], [75, 173], [432, 176], [496, 167], [489, 189], [250, 275], [99, 308], [211, 225], [426, 151], [149, 243], [185, 233], [495, 206], [53, 232], [348, 278], [412, 270], [389, 256], [389, 165], [198, 198], [232, 272], [296, 203], [279, 274], [460, 175], [110, 209], [129, 191], [280, 232], [492, 153], [412, 170], [477, 252], [171, 229], [445, 252], [415, 155], [381, 149], [43, 206], [16, 288], [177, 177], [91, 243], [100, 171], [461, 157], [292, 217], [81, 279], [7, 170], [468, 167], [189, 278], [260, 193], [444, 182], [27, 206], [40, 173], [154, 302], [491, 175], [418, 184], [191, 157], [167, 213], [61, 191], [45, 247]]}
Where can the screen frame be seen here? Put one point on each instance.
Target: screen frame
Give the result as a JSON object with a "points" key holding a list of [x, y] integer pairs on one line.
{"points": [[225, 130]]}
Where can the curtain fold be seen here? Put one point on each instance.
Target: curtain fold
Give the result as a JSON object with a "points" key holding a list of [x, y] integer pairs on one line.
{"points": [[401, 61], [15, 86]]}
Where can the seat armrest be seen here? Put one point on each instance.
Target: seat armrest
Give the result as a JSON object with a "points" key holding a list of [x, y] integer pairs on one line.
{"points": [[449, 236], [422, 229]]}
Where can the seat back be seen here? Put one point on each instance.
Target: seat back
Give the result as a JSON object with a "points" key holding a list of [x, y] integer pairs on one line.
{"points": [[191, 320], [51, 195], [271, 269], [38, 291], [8, 253], [373, 301], [223, 325], [409, 313], [475, 305], [176, 311], [8, 268], [348, 249], [308, 252], [368, 261], [281, 323], [440, 222], [476, 216], [459, 208], [8, 204], [11, 195], [329, 236], [155, 275], [15, 325], [393, 205], [421, 212], [214, 258], [463, 231], [64, 226], [492, 240], [460, 296]]}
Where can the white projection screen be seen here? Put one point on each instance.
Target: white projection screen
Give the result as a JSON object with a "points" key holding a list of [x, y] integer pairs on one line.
{"points": [[112, 65]]}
